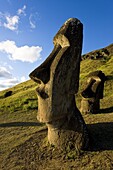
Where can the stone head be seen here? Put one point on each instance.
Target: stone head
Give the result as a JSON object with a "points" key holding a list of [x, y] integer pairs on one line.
{"points": [[95, 85], [58, 76]]}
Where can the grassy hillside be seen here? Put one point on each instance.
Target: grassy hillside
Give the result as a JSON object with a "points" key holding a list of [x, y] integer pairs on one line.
{"points": [[23, 139]]}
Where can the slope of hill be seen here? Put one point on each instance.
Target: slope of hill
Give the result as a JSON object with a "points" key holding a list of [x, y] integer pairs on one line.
{"points": [[23, 139]]}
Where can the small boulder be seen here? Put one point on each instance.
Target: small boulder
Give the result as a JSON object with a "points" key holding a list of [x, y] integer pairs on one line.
{"points": [[8, 93]]}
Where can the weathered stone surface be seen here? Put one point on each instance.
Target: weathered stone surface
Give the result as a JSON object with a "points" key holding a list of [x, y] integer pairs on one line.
{"points": [[58, 82], [93, 92]]}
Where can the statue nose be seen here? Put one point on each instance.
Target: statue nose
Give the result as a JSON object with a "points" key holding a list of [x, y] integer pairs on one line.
{"points": [[42, 73]]}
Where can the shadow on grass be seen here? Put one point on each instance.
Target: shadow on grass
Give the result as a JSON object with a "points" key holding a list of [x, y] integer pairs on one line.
{"points": [[101, 135], [109, 77], [107, 110], [16, 124]]}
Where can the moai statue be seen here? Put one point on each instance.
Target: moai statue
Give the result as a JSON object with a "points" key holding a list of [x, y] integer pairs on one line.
{"points": [[93, 92], [58, 82]]}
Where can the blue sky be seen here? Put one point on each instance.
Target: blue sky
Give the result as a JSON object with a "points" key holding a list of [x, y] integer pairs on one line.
{"points": [[27, 28]]}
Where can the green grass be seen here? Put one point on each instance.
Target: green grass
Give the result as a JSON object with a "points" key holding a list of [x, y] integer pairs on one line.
{"points": [[19, 126], [23, 98]]}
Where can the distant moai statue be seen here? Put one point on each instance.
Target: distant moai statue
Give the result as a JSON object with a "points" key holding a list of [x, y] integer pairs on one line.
{"points": [[58, 82], [93, 92]]}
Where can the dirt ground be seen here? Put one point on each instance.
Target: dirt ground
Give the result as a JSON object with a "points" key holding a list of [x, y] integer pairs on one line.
{"points": [[37, 154]]}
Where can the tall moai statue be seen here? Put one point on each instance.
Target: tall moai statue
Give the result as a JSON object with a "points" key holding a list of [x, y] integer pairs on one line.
{"points": [[58, 81], [93, 92]]}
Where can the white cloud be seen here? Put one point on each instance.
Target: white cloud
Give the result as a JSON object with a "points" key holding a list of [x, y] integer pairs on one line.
{"points": [[11, 22], [24, 53], [7, 83], [22, 11], [22, 79], [6, 78], [33, 18], [6, 65], [4, 73], [32, 21], [10, 82]]}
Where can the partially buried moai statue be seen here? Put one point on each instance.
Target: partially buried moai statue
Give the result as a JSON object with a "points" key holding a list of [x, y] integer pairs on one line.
{"points": [[58, 81], [93, 92]]}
